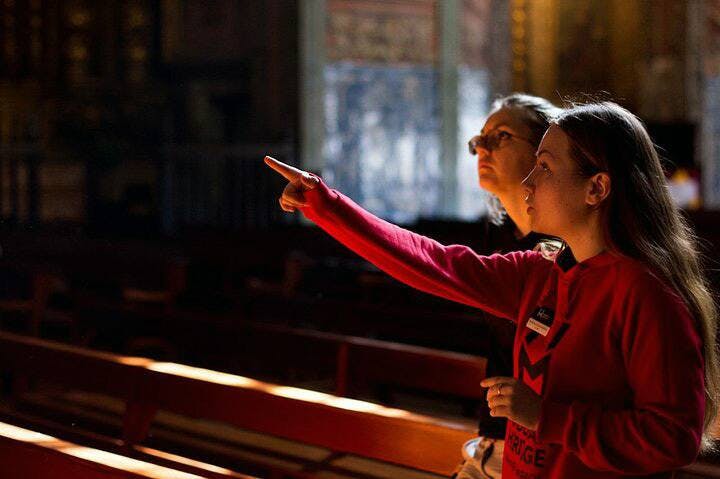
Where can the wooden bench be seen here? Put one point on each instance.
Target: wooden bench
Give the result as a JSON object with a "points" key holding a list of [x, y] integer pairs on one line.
{"points": [[342, 425], [87, 275], [26, 453], [360, 361], [430, 322], [422, 379], [342, 364], [32, 305]]}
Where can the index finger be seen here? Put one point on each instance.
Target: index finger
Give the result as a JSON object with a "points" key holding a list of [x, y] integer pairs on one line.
{"points": [[290, 173]]}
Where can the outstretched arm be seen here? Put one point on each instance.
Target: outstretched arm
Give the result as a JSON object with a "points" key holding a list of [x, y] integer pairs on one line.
{"points": [[492, 283]]}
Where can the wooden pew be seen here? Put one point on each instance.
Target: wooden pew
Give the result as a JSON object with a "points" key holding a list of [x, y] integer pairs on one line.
{"points": [[33, 306], [343, 425], [29, 359], [431, 323], [26, 453], [362, 361], [347, 365], [340, 424], [88, 274]]}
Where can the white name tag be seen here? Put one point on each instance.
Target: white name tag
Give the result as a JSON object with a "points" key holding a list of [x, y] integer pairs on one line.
{"points": [[538, 327]]}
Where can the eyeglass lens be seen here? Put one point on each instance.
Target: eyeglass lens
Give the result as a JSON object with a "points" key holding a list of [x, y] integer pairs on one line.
{"points": [[488, 142]]}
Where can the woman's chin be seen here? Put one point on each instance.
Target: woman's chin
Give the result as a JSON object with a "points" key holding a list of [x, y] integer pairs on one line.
{"points": [[488, 182]]}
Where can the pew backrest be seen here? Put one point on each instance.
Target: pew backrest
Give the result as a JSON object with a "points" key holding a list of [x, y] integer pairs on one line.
{"points": [[341, 424], [26, 453]]}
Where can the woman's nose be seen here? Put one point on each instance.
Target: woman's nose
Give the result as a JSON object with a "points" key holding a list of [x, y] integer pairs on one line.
{"points": [[482, 152]]}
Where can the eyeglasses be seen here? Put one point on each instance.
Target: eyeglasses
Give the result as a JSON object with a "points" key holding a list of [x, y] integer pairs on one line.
{"points": [[492, 141], [537, 171]]}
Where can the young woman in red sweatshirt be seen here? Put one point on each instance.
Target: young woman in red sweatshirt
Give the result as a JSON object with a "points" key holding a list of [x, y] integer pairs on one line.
{"points": [[615, 362]]}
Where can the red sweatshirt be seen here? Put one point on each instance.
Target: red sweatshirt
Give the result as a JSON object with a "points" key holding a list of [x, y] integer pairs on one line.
{"points": [[611, 349]]}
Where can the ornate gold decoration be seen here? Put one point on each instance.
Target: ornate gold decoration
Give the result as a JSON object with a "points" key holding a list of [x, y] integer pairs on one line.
{"points": [[541, 47], [518, 35], [77, 51], [137, 38], [385, 32], [79, 17]]}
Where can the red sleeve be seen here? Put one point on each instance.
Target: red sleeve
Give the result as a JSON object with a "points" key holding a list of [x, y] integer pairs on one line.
{"points": [[492, 283], [663, 358]]}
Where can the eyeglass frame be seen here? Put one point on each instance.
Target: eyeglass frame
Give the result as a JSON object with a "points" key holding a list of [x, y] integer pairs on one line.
{"points": [[483, 141], [534, 173]]}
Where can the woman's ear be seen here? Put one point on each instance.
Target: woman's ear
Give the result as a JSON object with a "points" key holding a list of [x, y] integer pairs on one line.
{"points": [[598, 189]]}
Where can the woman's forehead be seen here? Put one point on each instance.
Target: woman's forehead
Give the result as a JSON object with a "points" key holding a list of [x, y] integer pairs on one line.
{"points": [[513, 118], [555, 142]]}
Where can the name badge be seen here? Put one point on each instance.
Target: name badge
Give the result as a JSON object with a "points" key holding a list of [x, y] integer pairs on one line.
{"points": [[538, 327], [541, 320]]}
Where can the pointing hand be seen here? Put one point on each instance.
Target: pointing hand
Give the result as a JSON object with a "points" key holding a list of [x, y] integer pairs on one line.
{"points": [[298, 182]]}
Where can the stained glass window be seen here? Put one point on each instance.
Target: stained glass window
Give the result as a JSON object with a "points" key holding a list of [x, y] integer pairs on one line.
{"points": [[710, 102], [381, 140], [483, 73]]}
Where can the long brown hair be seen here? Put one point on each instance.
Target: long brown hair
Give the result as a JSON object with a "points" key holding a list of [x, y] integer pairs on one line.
{"points": [[642, 221]]}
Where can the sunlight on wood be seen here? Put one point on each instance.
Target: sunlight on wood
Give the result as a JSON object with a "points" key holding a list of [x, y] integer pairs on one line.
{"points": [[93, 455]]}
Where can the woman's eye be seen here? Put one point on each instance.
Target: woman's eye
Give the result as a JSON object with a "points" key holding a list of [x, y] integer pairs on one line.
{"points": [[503, 135]]}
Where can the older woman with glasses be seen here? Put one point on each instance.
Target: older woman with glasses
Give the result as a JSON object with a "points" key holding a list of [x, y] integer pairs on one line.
{"points": [[505, 151]]}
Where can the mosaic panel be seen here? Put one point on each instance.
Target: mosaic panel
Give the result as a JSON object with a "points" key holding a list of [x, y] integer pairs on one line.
{"points": [[711, 107], [473, 103], [382, 145], [382, 130]]}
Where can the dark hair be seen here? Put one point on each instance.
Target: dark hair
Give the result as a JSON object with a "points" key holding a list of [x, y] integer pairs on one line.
{"points": [[641, 220], [535, 112]]}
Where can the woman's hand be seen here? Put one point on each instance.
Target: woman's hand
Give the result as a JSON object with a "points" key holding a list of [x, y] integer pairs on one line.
{"points": [[510, 398], [299, 181]]}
